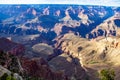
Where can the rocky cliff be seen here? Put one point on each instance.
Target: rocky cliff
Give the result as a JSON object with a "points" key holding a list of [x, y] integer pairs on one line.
{"points": [[92, 55], [12, 47]]}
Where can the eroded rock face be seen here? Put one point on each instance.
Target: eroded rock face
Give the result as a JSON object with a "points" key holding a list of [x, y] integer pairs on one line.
{"points": [[109, 27], [93, 55], [74, 45], [40, 68], [3, 71]]}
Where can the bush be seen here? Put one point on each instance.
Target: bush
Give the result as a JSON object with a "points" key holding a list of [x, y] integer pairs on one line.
{"points": [[4, 76], [7, 77], [107, 74]]}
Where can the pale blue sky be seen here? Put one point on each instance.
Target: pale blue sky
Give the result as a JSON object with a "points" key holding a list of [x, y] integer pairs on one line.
{"points": [[81, 2]]}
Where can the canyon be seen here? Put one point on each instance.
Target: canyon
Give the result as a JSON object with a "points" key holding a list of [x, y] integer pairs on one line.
{"points": [[60, 42]]}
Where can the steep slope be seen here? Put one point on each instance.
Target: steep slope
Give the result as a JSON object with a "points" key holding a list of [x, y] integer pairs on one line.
{"points": [[94, 55], [110, 27], [70, 66], [12, 47]]}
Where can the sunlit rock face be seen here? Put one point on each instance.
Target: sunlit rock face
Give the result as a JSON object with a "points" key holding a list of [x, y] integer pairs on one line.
{"points": [[109, 27], [3, 71], [90, 55]]}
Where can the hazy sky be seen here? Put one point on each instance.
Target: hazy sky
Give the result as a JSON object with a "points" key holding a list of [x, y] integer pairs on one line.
{"points": [[83, 2]]}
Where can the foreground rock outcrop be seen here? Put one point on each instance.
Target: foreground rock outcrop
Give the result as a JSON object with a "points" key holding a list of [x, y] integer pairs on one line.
{"points": [[12, 47]]}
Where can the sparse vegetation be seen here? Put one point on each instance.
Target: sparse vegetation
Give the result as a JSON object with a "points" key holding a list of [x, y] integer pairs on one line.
{"points": [[93, 62], [107, 74], [7, 77], [9, 61]]}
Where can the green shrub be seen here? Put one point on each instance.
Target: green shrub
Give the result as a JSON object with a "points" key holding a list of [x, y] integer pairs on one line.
{"points": [[7, 77], [107, 74], [4, 76], [93, 62]]}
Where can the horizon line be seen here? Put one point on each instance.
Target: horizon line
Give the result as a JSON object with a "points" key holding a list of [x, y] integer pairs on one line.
{"points": [[64, 2]]}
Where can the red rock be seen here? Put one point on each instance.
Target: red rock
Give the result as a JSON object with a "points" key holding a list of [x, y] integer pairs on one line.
{"points": [[12, 47]]}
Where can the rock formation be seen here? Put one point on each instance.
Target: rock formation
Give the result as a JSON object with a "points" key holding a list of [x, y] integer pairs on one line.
{"points": [[12, 47], [39, 68]]}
